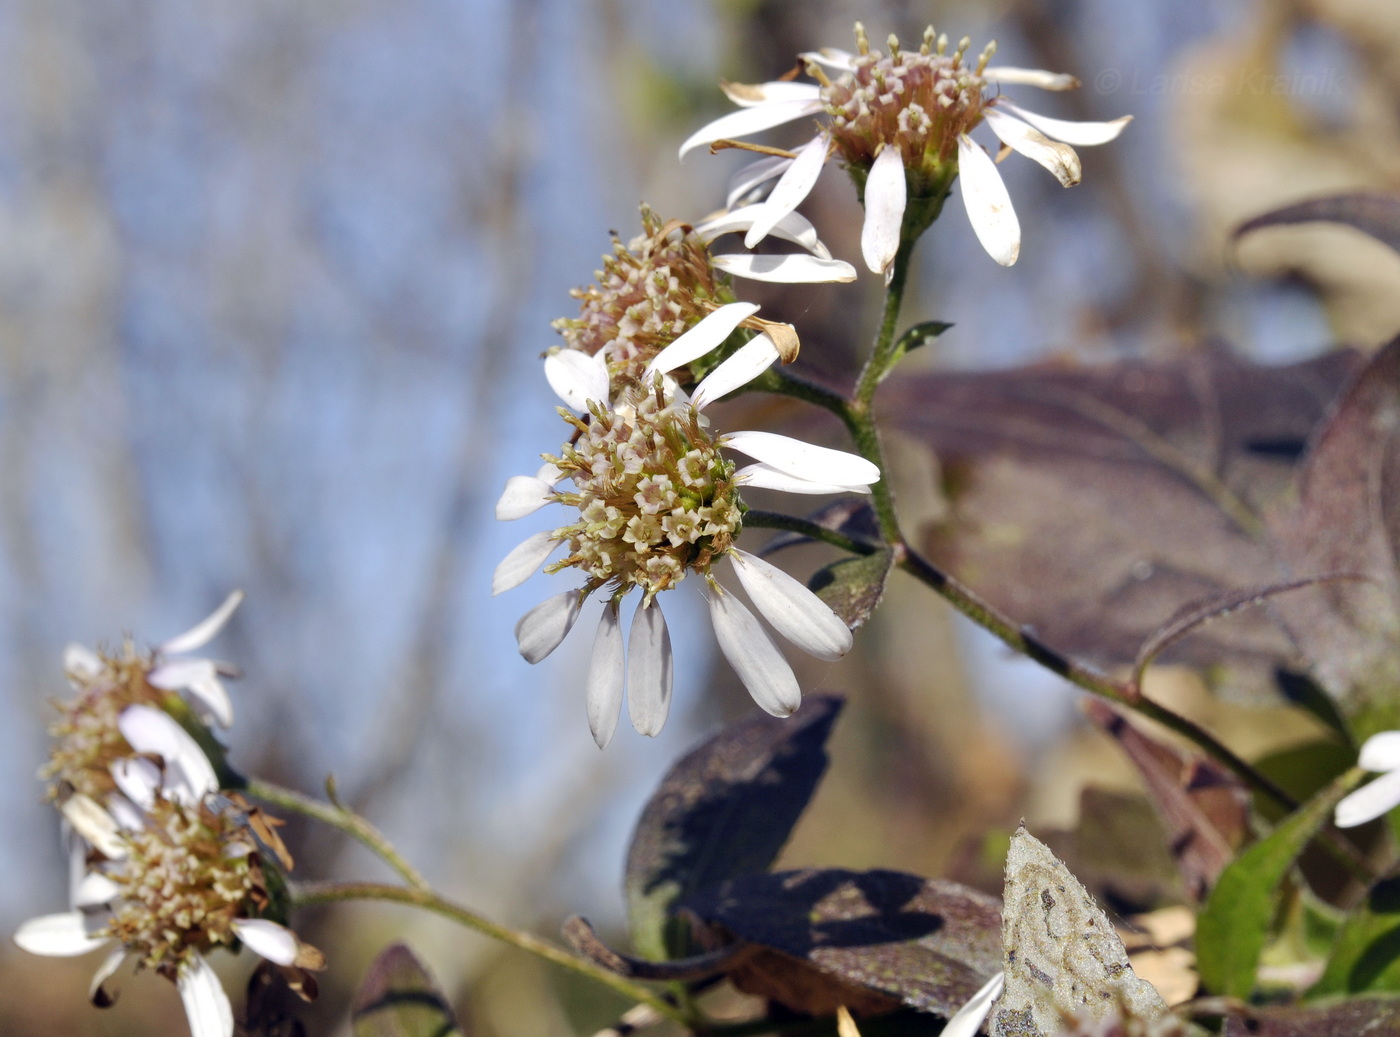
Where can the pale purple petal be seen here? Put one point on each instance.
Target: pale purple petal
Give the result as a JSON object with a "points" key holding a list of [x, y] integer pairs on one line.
{"points": [[206, 1004], [201, 634], [831, 57], [885, 196], [747, 121], [81, 662], [703, 338], [988, 205], [1009, 76], [1370, 801], [577, 377], [607, 676], [523, 495], [793, 227], [125, 813], [766, 477], [791, 189], [96, 994], [524, 558], [749, 95], [795, 612], [749, 361], [1381, 752], [189, 776], [754, 656], [969, 1017], [544, 627], [1083, 134], [138, 778], [267, 939], [746, 179], [58, 936], [1025, 139], [650, 669], [786, 269], [802, 459]]}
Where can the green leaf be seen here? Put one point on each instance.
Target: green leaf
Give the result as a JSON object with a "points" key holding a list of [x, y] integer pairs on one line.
{"points": [[919, 335], [1366, 954], [1234, 926], [722, 811], [398, 998], [853, 587]]}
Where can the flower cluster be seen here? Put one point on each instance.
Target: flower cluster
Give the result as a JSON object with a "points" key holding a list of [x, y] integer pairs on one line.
{"points": [[901, 123], [166, 866]]}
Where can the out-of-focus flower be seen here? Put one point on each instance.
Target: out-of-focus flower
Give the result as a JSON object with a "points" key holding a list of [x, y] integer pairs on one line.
{"points": [[900, 122], [662, 283], [656, 498], [1381, 753], [180, 874], [88, 737]]}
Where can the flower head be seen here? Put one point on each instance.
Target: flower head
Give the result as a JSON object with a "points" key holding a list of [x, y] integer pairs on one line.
{"points": [[1381, 753], [655, 498], [88, 737], [900, 122]]}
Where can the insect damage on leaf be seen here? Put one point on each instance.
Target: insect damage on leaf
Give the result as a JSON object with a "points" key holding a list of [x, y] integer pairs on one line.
{"points": [[1062, 958]]}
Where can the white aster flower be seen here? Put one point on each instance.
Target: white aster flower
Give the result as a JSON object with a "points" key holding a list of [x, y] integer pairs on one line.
{"points": [[88, 737], [1380, 753], [177, 878], [901, 123], [656, 498]]}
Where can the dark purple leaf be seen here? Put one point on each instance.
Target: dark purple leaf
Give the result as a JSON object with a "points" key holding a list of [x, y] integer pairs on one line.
{"points": [[1353, 1018], [399, 998], [1375, 214]]}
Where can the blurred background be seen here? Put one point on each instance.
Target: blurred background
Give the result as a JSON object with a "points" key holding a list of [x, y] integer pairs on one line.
{"points": [[274, 283]]}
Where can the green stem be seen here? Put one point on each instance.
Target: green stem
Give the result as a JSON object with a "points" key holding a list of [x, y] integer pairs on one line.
{"points": [[342, 820], [304, 895], [806, 527]]}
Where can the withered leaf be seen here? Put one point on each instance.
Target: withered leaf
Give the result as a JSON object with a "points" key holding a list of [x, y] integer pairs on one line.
{"points": [[399, 998], [1093, 503], [1341, 1019], [1204, 807], [1062, 957], [724, 810], [928, 943], [1347, 519]]}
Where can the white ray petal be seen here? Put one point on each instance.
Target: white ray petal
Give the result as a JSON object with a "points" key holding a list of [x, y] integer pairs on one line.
{"points": [[189, 776], [210, 699], [267, 939], [206, 1004], [1381, 752], [791, 189], [749, 95], [650, 669], [885, 196], [747, 121], [1024, 138], [577, 377], [1370, 801], [199, 677], [138, 778], [81, 662], [754, 656], [746, 179], [544, 627], [1083, 134], [94, 824], [1007, 75], [831, 57], [94, 890], [704, 338], [792, 227], [523, 495], [524, 558], [607, 676], [58, 936], [125, 813], [988, 205], [968, 1019], [749, 361], [766, 477], [795, 612], [804, 460], [96, 994], [786, 269], [203, 632]]}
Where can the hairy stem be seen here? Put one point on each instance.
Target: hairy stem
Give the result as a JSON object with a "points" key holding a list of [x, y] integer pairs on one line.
{"points": [[304, 895]]}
